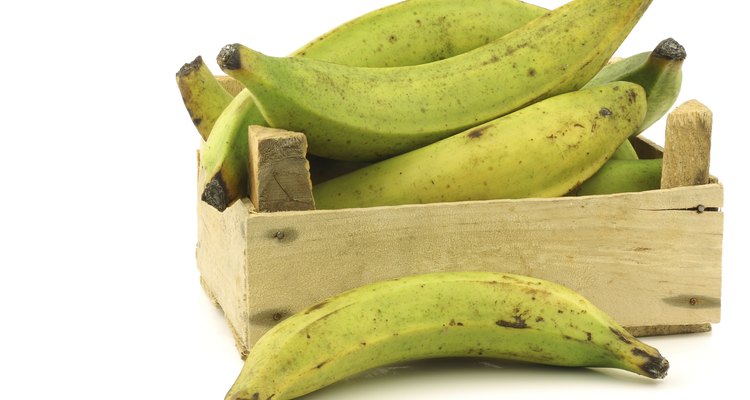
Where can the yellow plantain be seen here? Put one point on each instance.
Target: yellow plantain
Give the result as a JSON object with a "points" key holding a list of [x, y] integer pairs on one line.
{"points": [[544, 150], [204, 97], [449, 314], [659, 72], [623, 176], [363, 114], [406, 33]]}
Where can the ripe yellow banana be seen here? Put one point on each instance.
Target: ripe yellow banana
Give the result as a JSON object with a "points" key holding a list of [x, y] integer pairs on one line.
{"points": [[203, 95], [355, 113], [623, 176], [407, 33], [449, 314], [543, 150], [659, 72]]}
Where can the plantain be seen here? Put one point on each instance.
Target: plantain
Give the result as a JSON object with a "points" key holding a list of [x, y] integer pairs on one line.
{"points": [[364, 114], [449, 314], [543, 150], [623, 176], [204, 97], [659, 72], [406, 33], [626, 151]]}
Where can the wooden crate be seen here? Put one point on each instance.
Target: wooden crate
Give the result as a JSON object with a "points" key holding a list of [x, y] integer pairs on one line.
{"points": [[652, 260]]}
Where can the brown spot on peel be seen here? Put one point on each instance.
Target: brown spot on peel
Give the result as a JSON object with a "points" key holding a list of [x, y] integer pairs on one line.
{"points": [[476, 133], [517, 323], [316, 307], [632, 96], [620, 335]]}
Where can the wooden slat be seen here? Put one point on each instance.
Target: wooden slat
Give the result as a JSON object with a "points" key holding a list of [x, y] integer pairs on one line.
{"points": [[222, 260], [279, 170], [646, 258], [687, 146]]}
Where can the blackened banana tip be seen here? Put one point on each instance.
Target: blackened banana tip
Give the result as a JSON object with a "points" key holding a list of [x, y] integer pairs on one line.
{"points": [[188, 68], [215, 193], [670, 49], [653, 366], [657, 368], [229, 57]]}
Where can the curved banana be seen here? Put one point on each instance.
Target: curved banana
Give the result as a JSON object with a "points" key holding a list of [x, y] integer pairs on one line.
{"points": [[449, 314], [226, 185], [406, 33], [623, 176], [543, 150], [659, 72], [204, 97], [355, 113], [414, 32]]}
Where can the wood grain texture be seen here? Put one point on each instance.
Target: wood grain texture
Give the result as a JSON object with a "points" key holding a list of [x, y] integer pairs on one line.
{"points": [[652, 260], [231, 85], [687, 146], [221, 258], [641, 257], [279, 170]]}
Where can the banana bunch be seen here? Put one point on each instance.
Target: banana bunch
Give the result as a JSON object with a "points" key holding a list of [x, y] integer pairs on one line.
{"points": [[410, 32], [450, 314], [543, 150], [369, 114], [468, 62]]}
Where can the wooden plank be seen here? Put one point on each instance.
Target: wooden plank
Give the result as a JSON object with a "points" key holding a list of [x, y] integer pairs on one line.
{"points": [[221, 259], [279, 170], [648, 259], [646, 148], [687, 146], [662, 330]]}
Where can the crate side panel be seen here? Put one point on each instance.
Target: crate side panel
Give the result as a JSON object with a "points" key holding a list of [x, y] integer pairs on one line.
{"points": [[647, 258], [221, 259]]}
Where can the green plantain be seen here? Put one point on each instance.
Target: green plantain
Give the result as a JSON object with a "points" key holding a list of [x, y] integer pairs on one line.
{"points": [[449, 314], [659, 72], [623, 176], [407, 33], [204, 97], [626, 151], [364, 114], [543, 150]]}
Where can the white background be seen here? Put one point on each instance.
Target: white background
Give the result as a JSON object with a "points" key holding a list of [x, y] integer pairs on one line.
{"points": [[99, 290]]}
